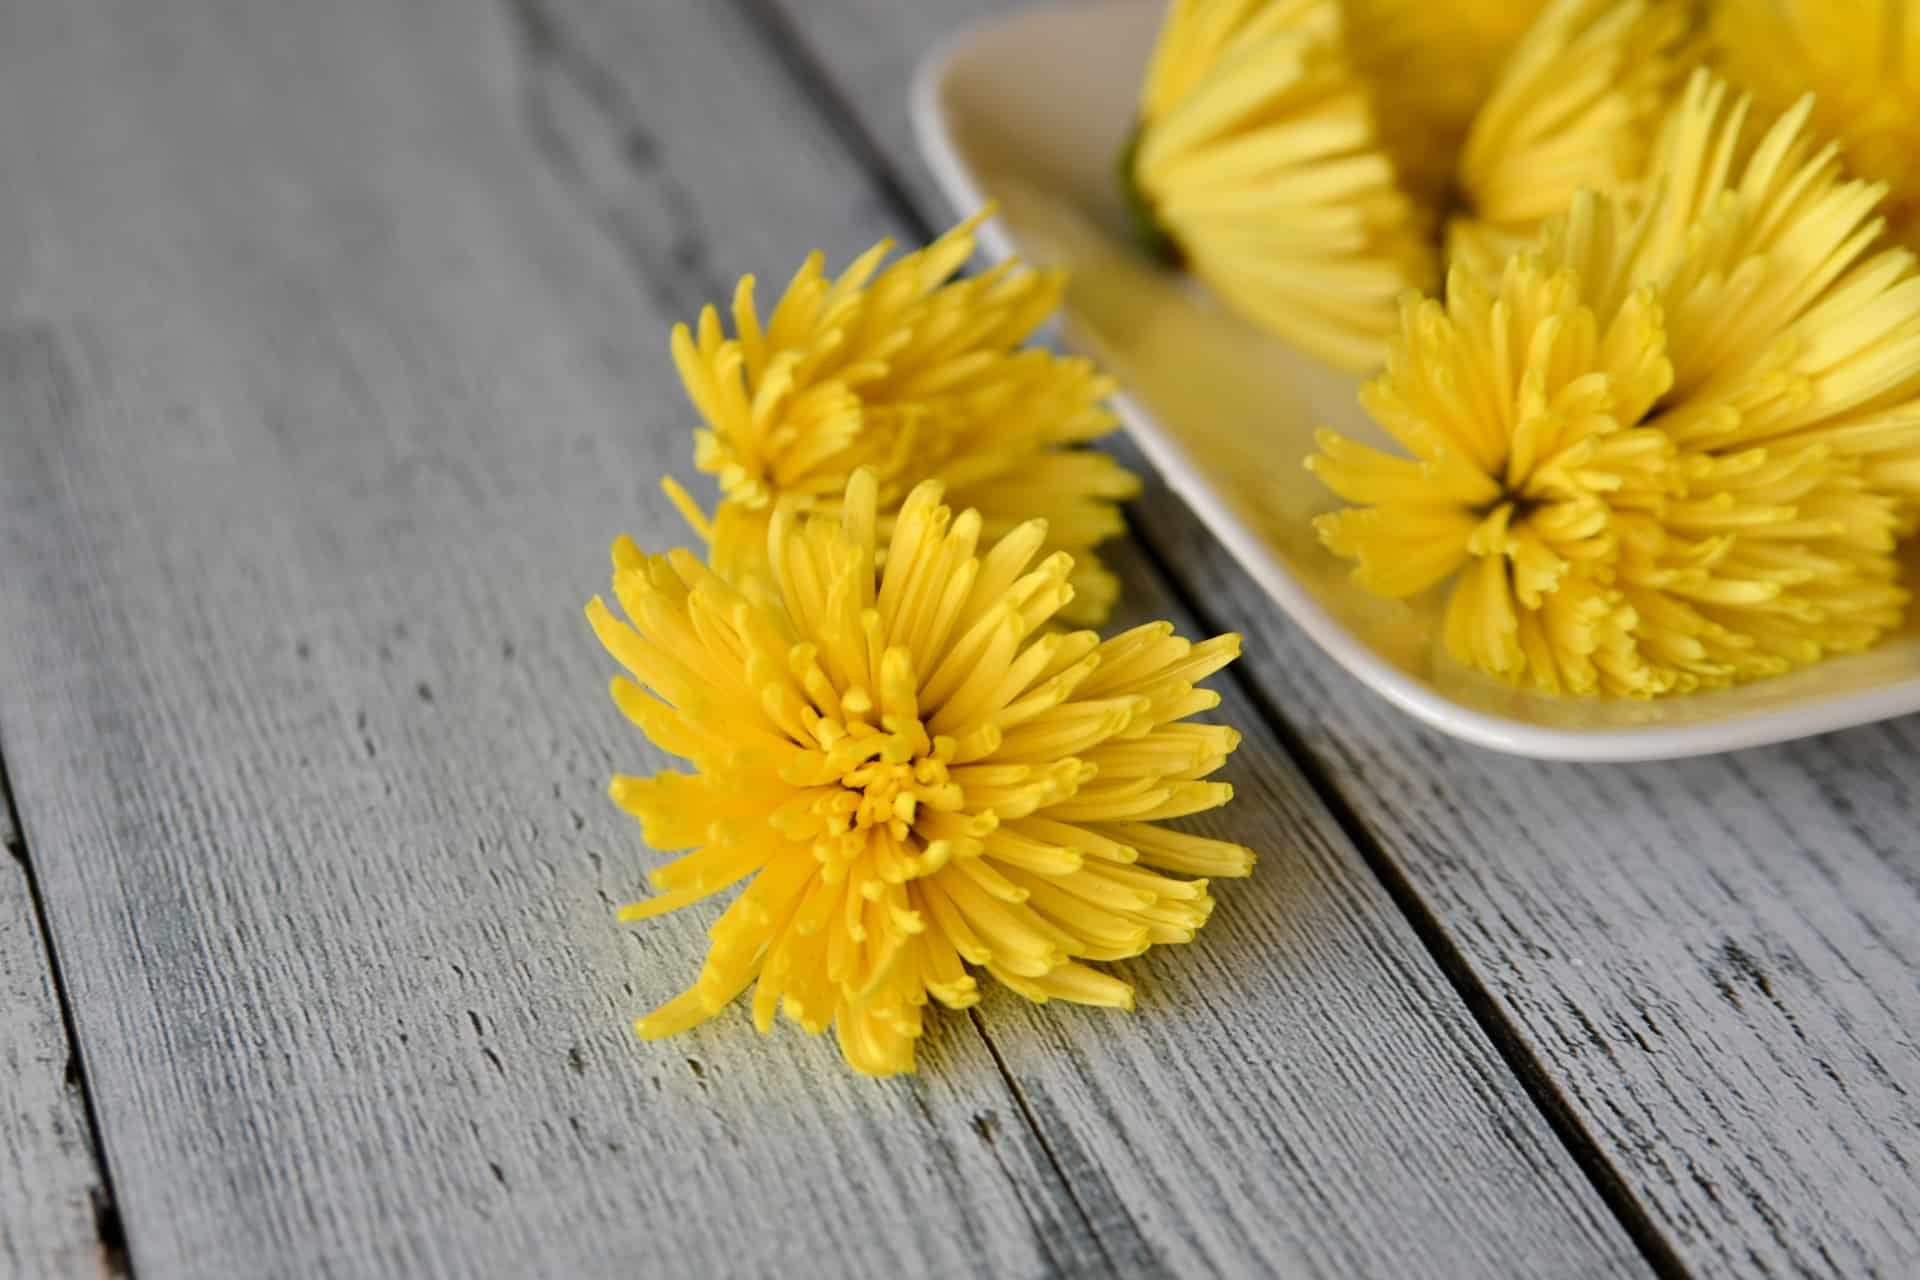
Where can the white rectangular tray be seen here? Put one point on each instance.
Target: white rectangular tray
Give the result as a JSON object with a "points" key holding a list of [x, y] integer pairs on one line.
{"points": [[1031, 112]]}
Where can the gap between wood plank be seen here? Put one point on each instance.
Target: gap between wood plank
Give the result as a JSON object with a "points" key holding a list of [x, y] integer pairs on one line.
{"points": [[789, 47], [1507, 1040], [115, 1258], [1039, 1135]]}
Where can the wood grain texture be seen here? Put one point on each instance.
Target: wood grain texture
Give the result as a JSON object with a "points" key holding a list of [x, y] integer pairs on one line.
{"points": [[1711, 968], [322, 406], [335, 353], [56, 1217]]}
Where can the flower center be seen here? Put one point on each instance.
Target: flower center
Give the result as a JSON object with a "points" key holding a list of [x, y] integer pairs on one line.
{"points": [[1519, 504], [888, 794], [888, 779]]}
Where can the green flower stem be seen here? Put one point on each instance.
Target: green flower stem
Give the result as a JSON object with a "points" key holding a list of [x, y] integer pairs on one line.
{"points": [[1148, 231]]}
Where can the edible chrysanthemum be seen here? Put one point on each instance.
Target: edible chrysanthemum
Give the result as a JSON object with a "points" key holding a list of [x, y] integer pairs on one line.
{"points": [[1861, 59], [915, 375], [1429, 67], [1259, 164], [1662, 452], [1577, 104], [1300, 156], [912, 776]]}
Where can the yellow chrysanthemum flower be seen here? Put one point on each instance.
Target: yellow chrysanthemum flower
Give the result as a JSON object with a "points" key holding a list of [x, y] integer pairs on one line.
{"points": [[1656, 456], [1430, 66], [1861, 59], [918, 376], [1259, 164], [910, 773], [1577, 104]]}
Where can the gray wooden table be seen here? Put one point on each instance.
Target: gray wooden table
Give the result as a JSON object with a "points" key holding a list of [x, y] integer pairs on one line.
{"points": [[333, 353]]}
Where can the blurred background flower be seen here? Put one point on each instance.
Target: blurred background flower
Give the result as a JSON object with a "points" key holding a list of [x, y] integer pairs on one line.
{"points": [[1576, 104], [1860, 59], [1260, 164]]}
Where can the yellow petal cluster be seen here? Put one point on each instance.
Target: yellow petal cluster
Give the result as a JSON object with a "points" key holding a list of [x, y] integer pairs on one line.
{"points": [[1669, 449], [1576, 104], [1861, 59], [1307, 158], [915, 375], [1429, 67], [909, 775], [1260, 163]]}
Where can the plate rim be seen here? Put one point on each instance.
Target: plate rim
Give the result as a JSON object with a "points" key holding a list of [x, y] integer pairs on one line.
{"points": [[942, 153]]}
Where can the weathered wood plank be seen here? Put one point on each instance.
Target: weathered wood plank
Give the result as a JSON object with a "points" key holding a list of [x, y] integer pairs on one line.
{"points": [[1712, 964], [1308, 974], [56, 1217], [331, 376], [321, 405]]}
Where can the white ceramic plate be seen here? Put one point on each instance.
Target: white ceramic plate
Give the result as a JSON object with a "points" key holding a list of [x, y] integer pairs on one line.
{"points": [[1030, 112]]}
